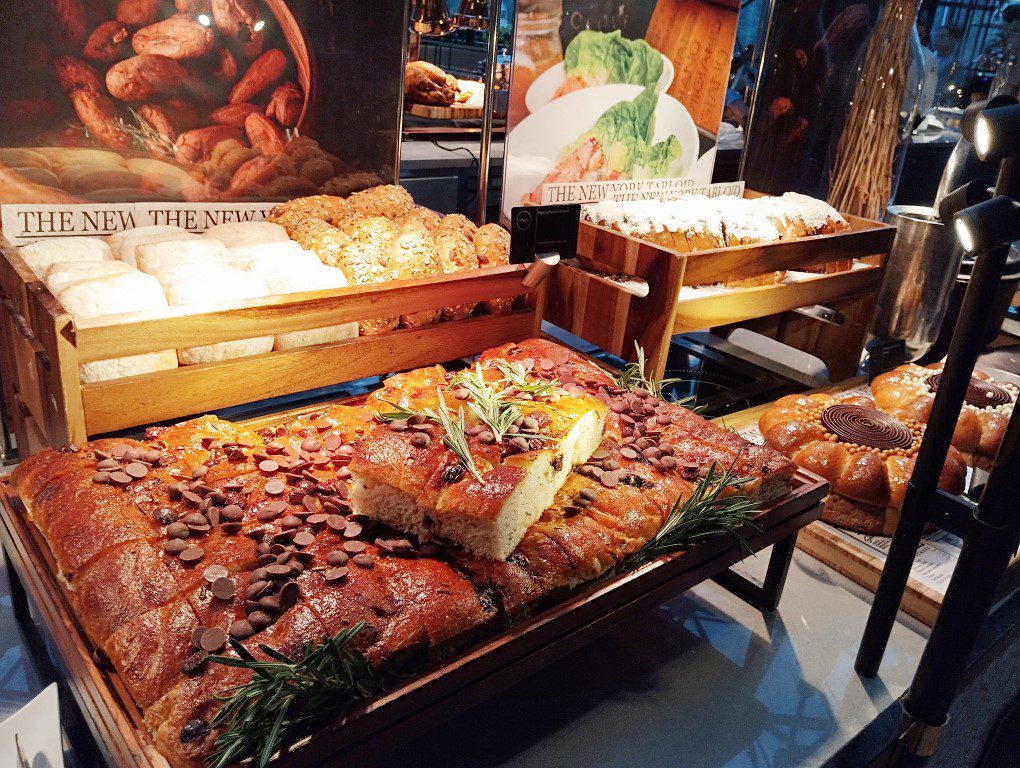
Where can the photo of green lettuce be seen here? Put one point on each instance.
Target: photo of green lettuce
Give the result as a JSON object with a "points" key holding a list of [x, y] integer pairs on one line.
{"points": [[624, 132], [601, 58]]}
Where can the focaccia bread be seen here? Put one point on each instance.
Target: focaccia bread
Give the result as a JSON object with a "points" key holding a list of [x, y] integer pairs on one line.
{"points": [[909, 392], [205, 530], [403, 475]]}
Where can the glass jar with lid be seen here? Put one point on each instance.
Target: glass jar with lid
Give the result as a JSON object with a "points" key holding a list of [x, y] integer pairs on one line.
{"points": [[537, 48]]}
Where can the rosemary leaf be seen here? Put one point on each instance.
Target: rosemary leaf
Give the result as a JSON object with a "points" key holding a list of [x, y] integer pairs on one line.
{"points": [[515, 375], [706, 514], [634, 376], [455, 438]]}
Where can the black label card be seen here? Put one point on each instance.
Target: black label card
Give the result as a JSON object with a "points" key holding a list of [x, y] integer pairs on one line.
{"points": [[543, 229]]}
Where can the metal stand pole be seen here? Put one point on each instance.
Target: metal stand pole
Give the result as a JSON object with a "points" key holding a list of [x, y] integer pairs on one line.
{"points": [[488, 106], [984, 558], [923, 483]]}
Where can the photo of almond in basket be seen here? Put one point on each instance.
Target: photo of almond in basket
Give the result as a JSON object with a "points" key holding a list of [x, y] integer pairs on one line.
{"points": [[217, 90]]}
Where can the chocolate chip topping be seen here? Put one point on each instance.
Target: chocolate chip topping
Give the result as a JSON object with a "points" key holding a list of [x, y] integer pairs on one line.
{"points": [[980, 394], [195, 730], [860, 425]]}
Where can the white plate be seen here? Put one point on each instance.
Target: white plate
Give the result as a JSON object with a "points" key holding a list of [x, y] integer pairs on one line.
{"points": [[545, 85], [534, 146]]}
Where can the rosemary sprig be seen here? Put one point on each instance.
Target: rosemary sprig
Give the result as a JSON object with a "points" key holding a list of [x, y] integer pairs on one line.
{"points": [[706, 514], [145, 136], [455, 438], [287, 699], [487, 402], [515, 375]]}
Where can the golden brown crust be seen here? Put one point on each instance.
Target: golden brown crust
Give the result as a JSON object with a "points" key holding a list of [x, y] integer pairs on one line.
{"points": [[863, 479], [904, 391], [492, 246], [141, 604]]}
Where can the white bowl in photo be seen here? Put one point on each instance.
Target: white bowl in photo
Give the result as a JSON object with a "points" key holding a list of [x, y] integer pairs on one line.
{"points": [[535, 145], [545, 85]]}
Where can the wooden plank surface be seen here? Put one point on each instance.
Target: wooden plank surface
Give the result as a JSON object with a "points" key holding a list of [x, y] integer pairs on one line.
{"points": [[697, 35], [452, 112], [714, 309], [179, 327], [120, 403]]}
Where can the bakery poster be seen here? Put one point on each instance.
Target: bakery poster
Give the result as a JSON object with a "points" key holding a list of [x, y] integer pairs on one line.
{"points": [[616, 100], [124, 101]]}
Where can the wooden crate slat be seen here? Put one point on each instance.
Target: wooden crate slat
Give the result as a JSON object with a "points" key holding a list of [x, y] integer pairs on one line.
{"points": [[116, 404], [699, 313], [179, 327], [595, 243]]}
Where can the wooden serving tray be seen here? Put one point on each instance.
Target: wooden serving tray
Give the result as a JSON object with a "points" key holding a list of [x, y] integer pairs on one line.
{"points": [[436, 694], [453, 112], [596, 310]]}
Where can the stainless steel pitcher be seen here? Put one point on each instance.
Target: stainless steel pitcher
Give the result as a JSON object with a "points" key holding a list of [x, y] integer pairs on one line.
{"points": [[919, 275]]}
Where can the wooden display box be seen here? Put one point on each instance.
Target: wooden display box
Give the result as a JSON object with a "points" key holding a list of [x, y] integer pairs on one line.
{"points": [[42, 347], [417, 703], [585, 302]]}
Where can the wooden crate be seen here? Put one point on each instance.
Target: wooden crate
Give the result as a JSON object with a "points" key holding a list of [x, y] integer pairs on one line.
{"points": [[44, 346], [416, 703], [596, 309]]}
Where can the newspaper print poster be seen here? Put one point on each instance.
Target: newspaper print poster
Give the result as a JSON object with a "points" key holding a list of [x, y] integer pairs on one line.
{"points": [[615, 100]]}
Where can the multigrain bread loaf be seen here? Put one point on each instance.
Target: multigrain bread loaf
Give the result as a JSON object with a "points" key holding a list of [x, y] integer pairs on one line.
{"points": [[866, 455], [908, 392], [164, 544]]}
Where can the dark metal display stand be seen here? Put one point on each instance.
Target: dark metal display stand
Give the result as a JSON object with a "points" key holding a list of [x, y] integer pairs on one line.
{"points": [[991, 528]]}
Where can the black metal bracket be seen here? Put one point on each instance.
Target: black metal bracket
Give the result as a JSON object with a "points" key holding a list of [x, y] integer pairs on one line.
{"points": [[764, 596]]}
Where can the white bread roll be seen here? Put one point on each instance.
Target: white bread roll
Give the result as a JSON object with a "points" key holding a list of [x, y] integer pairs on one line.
{"points": [[270, 256], [152, 257], [282, 281], [245, 233], [200, 286], [128, 292], [43, 254], [124, 243], [63, 273]]}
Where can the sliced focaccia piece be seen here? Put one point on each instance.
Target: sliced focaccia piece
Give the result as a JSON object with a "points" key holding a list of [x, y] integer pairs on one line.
{"points": [[478, 463]]}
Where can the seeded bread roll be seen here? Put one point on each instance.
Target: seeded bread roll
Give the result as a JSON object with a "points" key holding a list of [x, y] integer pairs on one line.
{"points": [[455, 241], [425, 216], [323, 239], [386, 200], [113, 295], [368, 258], [414, 256], [328, 208], [43, 254], [492, 245]]}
